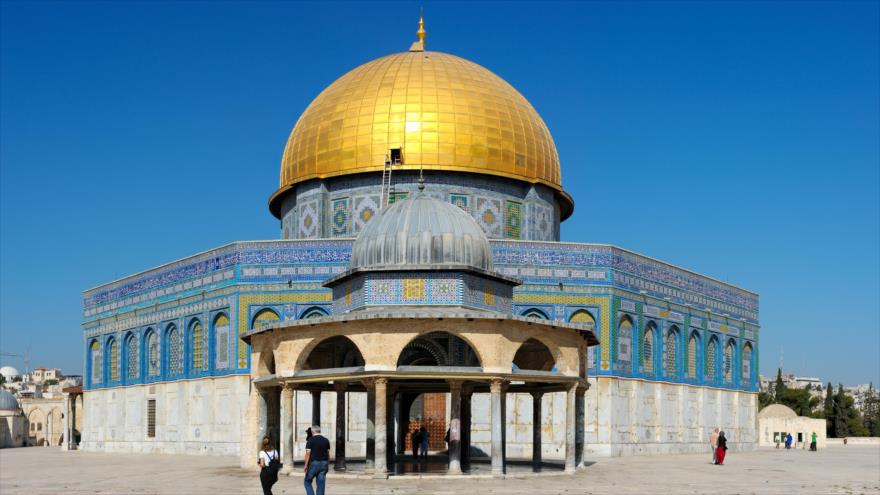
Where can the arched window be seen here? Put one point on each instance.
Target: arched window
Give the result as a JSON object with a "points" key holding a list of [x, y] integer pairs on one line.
{"points": [[313, 312], [692, 356], [711, 352], [533, 355], [727, 363], [624, 345], [334, 352], [263, 318], [174, 354], [535, 313], [747, 365], [198, 346], [113, 360], [221, 341], [670, 353], [131, 357], [648, 349], [97, 362], [152, 352], [584, 318]]}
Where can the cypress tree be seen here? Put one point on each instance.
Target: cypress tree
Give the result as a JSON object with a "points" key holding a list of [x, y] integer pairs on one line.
{"points": [[779, 389], [829, 411], [840, 426]]}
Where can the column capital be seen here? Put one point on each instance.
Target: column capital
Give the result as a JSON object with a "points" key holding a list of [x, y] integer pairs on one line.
{"points": [[455, 384], [497, 385], [537, 394], [288, 387], [340, 386], [582, 389], [381, 380]]}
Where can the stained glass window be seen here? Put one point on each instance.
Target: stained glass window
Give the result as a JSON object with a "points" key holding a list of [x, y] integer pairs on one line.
{"points": [[131, 352], [648, 350], [710, 360], [747, 365], [221, 340], [669, 354], [692, 357], [152, 354], [175, 356], [113, 352], [624, 345], [198, 347], [97, 362], [727, 363]]}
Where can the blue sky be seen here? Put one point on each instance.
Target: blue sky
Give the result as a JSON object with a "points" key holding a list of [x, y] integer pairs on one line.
{"points": [[737, 139]]}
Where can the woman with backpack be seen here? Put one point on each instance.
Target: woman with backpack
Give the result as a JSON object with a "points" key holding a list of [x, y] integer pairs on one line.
{"points": [[270, 464]]}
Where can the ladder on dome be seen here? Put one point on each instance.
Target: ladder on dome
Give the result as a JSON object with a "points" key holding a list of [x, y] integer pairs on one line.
{"points": [[390, 161]]}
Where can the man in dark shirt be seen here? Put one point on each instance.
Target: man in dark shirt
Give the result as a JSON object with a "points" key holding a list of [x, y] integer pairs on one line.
{"points": [[317, 461]]}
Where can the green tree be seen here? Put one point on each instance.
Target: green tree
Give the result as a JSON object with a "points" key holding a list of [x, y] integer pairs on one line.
{"points": [[779, 389], [764, 399], [872, 412], [829, 412]]}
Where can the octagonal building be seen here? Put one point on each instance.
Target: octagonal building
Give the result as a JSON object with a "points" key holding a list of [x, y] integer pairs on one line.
{"points": [[420, 282]]}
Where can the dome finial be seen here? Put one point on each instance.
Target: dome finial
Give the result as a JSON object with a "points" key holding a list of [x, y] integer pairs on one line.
{"points": [[419, 46]]}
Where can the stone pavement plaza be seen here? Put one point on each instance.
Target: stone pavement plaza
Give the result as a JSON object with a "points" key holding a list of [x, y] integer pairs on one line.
{"points": [[852, 469]]}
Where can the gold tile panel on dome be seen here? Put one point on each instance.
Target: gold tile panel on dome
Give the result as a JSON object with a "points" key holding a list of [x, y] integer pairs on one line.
{"points": [[442, 111]]}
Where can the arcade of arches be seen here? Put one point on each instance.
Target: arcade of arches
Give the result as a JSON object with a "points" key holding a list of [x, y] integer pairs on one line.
{"points": [[416, 371]]}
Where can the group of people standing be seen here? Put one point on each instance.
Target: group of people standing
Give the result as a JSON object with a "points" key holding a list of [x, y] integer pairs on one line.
{"points": [[789, 440], [719, 446], [419, 438]]}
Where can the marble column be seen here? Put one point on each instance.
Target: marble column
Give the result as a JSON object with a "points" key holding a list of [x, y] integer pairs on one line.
{"points": [[536, 431], [340, 387], [467, 394], [371, 424], [288, 426], [73, 443], [454, 427], [262, 399], [570, 427], [580, 416], [65, 435], [380, 427], [498, 399], [316, 408]]}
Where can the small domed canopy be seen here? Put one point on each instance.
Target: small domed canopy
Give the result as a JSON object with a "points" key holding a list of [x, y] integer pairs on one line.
{"points": [[8, 372], [421, 231], [8, 401], [777, 411]]}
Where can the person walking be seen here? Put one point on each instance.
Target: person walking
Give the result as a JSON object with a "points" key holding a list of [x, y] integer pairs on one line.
{"points": [[416, 439], [317, 461], [788, 441], [424, 437], [813, 442], [721, 450], [269, 466], [713, 444], [308, 433]]}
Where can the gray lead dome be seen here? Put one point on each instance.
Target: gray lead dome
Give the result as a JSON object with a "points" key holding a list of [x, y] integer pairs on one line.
{"points": [[421, 231]]}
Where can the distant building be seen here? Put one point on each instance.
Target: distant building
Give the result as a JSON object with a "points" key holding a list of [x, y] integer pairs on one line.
{"points": [[775, 420]]}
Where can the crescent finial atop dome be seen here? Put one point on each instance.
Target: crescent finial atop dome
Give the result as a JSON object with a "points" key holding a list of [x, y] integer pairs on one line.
{"points": [[419, 46]]}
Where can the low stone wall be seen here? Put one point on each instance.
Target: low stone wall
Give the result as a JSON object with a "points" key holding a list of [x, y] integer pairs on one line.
{"points": [[202, 416], [838, 442]]}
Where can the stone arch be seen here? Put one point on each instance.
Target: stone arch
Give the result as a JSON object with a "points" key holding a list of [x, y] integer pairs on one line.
{"points": [[54, 427], [439, 348], [333, 352], [263, 317], [313, 312], [36, 427], [533, 355], [535, 313]]}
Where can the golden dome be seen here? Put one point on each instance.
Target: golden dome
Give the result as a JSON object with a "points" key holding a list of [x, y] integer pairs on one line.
{"points": [[442, 111]]}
